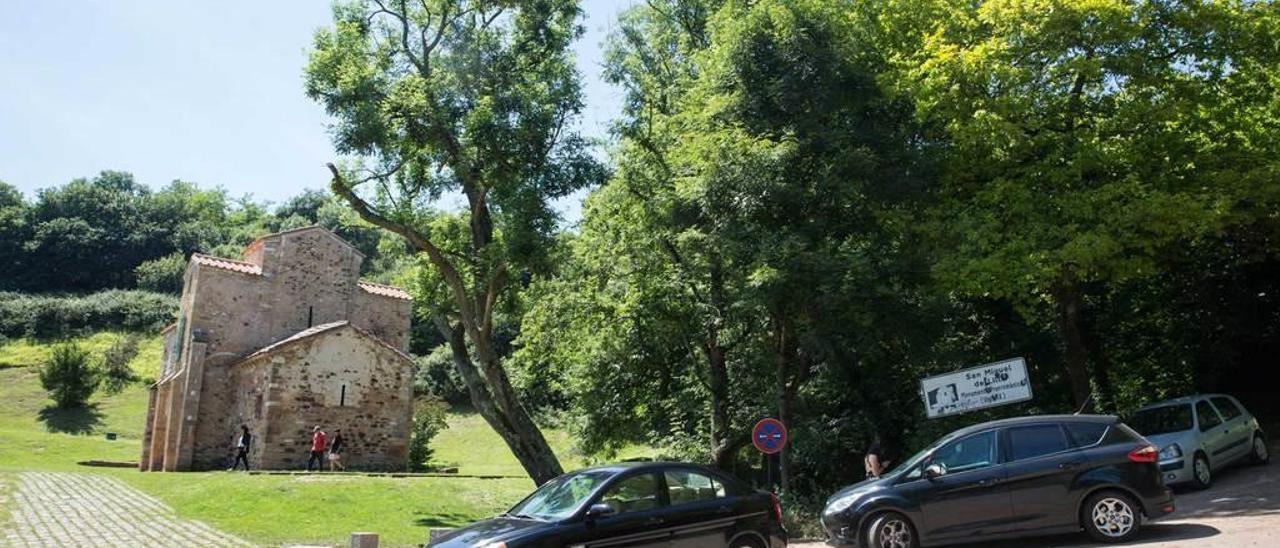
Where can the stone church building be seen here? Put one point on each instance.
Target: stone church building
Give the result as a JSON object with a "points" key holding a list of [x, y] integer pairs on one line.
{"points": [[283, 340]]}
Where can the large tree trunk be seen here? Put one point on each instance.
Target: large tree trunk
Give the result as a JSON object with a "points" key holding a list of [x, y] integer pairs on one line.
{"points": [[725, 442], [1068, 304], [783, 353], [490, 389], [515, 427], [792, 369]]}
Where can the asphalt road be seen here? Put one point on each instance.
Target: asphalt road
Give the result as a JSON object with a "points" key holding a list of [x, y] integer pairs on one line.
{"points": [[1241, 509]]}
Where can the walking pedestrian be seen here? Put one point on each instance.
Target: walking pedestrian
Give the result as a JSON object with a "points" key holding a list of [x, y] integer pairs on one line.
{"points": [[242, 449], [335, 452], [317, 449], [874, 461]]}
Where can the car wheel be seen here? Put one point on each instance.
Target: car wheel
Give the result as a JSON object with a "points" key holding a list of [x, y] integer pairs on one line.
{"points": [[891, 530], [746, 542], [1111, 516], [1201, 472], [1260, 453]]}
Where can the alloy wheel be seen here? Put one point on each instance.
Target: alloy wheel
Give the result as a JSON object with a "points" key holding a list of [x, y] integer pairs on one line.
{"points": [[1113, 517], [895, 533], [1203, 474]]}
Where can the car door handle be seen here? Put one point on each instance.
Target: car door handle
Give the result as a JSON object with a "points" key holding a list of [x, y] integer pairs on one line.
{"points": [[653, 521], [1068, 465], [989, 481], [724, 510]]}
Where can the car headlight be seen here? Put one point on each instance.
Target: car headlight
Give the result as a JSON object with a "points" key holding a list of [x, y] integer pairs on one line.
{"points": [[1171, 452], [841, 504]]}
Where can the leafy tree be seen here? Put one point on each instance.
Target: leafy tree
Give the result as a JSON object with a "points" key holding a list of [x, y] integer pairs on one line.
{"points": [[13, 232], [740, 240], [163, 275], [115, 371], [68, 376], [429, 413], [471, 97], [90, 234], [1083, 141]]}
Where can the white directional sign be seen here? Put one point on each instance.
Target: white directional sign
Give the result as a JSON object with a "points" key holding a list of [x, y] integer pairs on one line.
{"points": [[976, 388]]}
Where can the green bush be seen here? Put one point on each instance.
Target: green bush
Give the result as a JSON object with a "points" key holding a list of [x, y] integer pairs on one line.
{"points": [[428, 420], [116, 373], [68, 377], [59, 316], [438, 376], [163, 275]]}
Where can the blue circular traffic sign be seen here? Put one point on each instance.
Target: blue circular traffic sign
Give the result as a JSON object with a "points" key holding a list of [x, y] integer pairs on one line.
{"points": [[769, 436]]}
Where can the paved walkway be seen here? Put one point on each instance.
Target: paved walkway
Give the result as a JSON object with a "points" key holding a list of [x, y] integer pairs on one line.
{"points": [[73, 509]]}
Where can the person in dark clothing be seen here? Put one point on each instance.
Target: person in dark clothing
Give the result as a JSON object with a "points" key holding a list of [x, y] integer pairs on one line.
{"points": [[874, 461], [317, 449], [335, 452], [242, 448]]}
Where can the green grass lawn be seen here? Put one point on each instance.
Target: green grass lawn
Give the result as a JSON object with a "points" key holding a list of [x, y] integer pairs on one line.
{"points": [[264, 509]]}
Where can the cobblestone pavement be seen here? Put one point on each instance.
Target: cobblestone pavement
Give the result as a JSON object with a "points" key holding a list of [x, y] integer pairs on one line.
{"points": [[73, 509]]}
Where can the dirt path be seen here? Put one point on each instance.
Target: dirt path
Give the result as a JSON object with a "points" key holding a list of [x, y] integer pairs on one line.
{"points": [[73, 509], [1242, 509]]}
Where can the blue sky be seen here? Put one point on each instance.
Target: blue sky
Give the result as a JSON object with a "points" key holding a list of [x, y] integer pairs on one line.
{"points": [[209, 92]]}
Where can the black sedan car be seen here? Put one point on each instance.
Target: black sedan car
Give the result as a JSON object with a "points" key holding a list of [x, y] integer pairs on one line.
{"points": [[634, 505], [1010, 478]]}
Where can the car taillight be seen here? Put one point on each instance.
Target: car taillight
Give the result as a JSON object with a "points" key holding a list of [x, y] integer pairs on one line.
{"points": [[1145, 453], [777, 507]]}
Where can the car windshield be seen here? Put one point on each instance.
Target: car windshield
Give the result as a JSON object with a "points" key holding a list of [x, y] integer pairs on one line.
{"points": [[559, 498], [916, 458], [1161, 420]]}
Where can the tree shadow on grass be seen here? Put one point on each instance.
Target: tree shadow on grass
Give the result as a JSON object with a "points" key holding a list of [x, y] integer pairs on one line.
{"points": [[442, 520], [77, 420]]}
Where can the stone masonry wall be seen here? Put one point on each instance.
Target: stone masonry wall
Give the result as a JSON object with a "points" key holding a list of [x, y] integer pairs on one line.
{"points": [[297, 279], [337, 380], [226, 314], [251, 384], [313, 277], [385, 317]]}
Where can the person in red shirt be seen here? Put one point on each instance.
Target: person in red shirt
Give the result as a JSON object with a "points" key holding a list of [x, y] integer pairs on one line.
{"points": [[317, 449]]}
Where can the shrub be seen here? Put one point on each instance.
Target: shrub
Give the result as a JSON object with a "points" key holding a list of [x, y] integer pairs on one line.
{"points": [[68, 377], [116, 373], [429, 414], [438, 376], [59, 316], [163, 275]]}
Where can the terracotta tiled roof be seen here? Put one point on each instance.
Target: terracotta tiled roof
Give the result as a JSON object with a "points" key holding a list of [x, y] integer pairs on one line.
{"points": [[226, 264], [385, 290], [317, 330]]}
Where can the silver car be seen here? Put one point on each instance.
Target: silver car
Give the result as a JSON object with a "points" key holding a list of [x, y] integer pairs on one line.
{"points": [[1199, 435]]}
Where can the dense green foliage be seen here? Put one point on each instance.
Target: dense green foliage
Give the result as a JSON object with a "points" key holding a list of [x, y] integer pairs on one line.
{"points": [[53, 316], [115, 369], [111, 232], [817, 203], [69, 377], [429, 414]]}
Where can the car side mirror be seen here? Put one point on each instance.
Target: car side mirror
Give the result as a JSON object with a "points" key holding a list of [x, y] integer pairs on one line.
{"points": [[598, 511], [934, 471]]}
